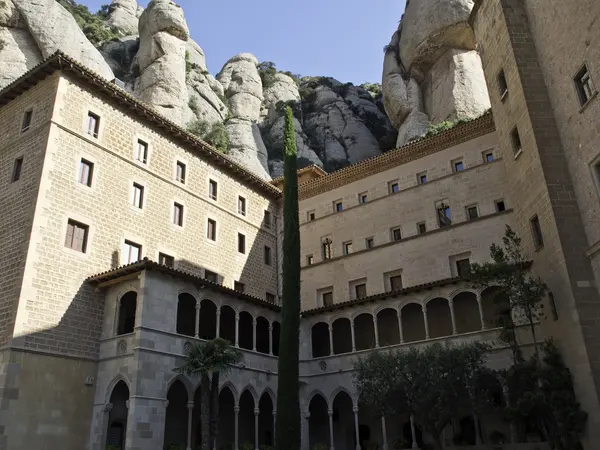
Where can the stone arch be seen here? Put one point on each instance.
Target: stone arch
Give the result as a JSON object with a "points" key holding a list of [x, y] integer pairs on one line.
{"points": [[466, 312], [176, 415], [342, 405], [228, 400], [320, 340], [116, 431], [229, 385], [126, 313], [388, 327], [246, 330], [340, 389], [439, 317], [268, 391], [413, 323], [364, 331], [266, 428], [262, 335], [342, 335], [113, 383], [318, 420], [313, 394], [252, 392], [186, 314], [248, 404], [227, 324], [189, 387], [207, 329]]}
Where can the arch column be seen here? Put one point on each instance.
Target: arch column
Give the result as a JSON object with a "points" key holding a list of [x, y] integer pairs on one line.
{"points": [[274, 425], [480, 306], [237, 332], [305, 431], [376, 329], [256, 413], [356, 430], [399, 315], [253, 334], [452, 317], [105, 416], [270, 339], [190, 406], [218, 321], [477, 432], [424, 308], [413, 432], [330, 413], [384, 433], [197, 326], [330, 339], [236, 426], [353, 336]]}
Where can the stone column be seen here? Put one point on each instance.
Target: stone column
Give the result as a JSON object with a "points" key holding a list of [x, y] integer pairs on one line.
{"points": [[425, 321], [254, 335], [452, 317], [270, 339], [331, 339], [274, 425], [353, 336], [306, 431], [236, 432], [237, 332], [106, 409], [477, 431], [190, 406], [140, 410], [376, 329], [219, 321], [384, 433], [413, 432], [331, 446], [197, 331], [356, 430], [256, 413], [480, 305], [400, 326]]}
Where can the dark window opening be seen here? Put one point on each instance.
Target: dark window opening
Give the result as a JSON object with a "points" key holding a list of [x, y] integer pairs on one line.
{"points": [[241, 243], [212, 189], [141, 152], [396, 234], [463, 267], [327, 298], [472, 212], [536, 231], [516, 140], [396, 283], [27, 120], [242, 206], [86, 172], [444, 218], [268, 256], [268, 219], [422, 228], [369, 242], [127, 307], [238, 286], [360, 290], [584, 85], [326, 247], [270, 297], [138, 196], [17, 169], [166, 260], [502, 85], [500, 206], [180, 172], [211, 230], [178, 214], [77, 235], [93, 124]]}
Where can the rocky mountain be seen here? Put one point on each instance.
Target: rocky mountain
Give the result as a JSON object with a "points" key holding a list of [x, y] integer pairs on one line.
{"points": [[431, 71]]}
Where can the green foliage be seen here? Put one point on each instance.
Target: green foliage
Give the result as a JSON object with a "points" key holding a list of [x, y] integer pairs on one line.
{"points": [[214, 134], [372, 88], [247, 446], [320, 446], [94, 26], [175, 447], [267, 71], [435, 384], [288, 403], [2, 44], [188, 64], [113, 447], [194, 105]]}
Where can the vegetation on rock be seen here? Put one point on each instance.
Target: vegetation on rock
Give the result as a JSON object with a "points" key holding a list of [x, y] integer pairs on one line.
{"points": [[214, 134], [372, 88], [267, 71], [288, 425], [93, 25]]}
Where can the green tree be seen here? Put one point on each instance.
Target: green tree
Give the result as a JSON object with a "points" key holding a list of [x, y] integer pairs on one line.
{"points": [[434, 384], [214, 134], [209, 361], [288, 404]]}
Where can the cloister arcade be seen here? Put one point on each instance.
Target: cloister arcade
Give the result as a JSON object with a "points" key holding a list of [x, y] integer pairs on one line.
{"points": [[464, 311]]}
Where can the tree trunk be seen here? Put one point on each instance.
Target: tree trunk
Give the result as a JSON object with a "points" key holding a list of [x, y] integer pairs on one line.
{"points": [[287, 433], [214, 409], [205, 412]]}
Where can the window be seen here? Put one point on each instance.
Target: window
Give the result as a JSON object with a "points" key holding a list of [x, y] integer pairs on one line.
{"points": [[369, 242], [463, 267], [133, 252], [326, 248], [422, 178], [268, 219], [553, 310], [500, 206], [502, 85], [180, 170], [211, 276], [242, 206], [536, 231], [77, 235], [583, 84], [86, 172], [396, 234], [327, 298], [241, 243], [472, 212], [26, 120], [360, 290], [141, 152], [126, 319], [166, 260], [338, 206], [137, 198], [393, 187], [421, 228], [178, 214], [515, 140], [443, 213], [363, 198], [488, 156], [396, 283], [268, 256], [211, 230], [270, 297], [309, 260], [17, 169], [238, 286], [347, 247], [310, 216], [212, 189], [458, 166], [93, 124]]}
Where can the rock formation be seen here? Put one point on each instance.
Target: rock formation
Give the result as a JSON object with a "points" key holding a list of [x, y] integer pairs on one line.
{"points": [[124, 16], [432, 71]]}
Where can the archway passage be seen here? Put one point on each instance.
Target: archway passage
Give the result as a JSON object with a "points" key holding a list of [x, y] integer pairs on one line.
{"points": [[276, 332], [388, 327], [413, 325], [439, 318], [246, 420], [320, 340], [176, 420], [246, 331], [342, 336], [496, 308], [208, 320], [364, 331], [226, 436], [227, 326], [196, 422], [344, 435], [466, 312], [186, 315], [262, 335], [266, 431], [117, 418], [127, 309], [318, 422]]}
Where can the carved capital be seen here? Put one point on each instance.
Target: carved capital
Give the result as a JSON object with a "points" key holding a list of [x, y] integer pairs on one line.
{"points": [[355, 409], [330, 412], [108, 407], [256, 411], [236, 409], [127, 404], [190, 405], [166, 403]]}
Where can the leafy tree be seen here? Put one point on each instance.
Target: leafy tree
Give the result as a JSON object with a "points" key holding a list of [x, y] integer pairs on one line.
{"points": [[288, 404], [435, 384], [94, 26], [372, 88], [267, 71], [209, 361], [214, 134]]}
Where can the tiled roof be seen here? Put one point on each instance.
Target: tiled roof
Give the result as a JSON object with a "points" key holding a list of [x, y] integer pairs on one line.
{"points": [[312, 168], [60, 61], [147, 264]]}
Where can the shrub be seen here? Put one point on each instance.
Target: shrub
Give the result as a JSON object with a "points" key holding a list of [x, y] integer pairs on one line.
{"points": [[267, 72], [372, 88], [214, 134], [194, 105], [94, 26]]}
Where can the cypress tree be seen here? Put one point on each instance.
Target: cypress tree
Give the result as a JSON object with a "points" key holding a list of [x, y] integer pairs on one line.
{"points": [[287, 433]]}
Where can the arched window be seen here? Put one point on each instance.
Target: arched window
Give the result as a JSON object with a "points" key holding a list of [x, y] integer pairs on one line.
{"points": [[186, 315], [127, 307]]}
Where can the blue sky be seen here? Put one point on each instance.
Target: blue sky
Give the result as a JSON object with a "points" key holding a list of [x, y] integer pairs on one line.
{"points": [[339, 38]]}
